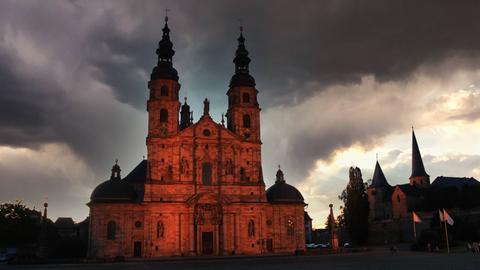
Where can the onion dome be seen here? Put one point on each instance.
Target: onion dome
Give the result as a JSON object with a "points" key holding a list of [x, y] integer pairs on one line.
{"points": [[379, 180], [242, 76], [281, 192], [165, 52], [114, 189]]}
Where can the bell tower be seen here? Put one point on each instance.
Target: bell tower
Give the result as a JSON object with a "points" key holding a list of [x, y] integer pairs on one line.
{"points": [[243, 114], [419, 176], [163, 105]]}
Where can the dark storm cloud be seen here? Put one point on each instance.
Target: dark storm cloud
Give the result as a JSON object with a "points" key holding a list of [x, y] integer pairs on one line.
{"points": [[25, 114], [291, 44]]}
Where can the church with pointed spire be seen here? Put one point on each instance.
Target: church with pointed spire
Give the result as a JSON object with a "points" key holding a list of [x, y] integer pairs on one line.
{"points": [[200, 191], [391, 207]]}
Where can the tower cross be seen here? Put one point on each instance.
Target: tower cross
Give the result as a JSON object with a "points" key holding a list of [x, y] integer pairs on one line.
{"points": [[241, 25]]}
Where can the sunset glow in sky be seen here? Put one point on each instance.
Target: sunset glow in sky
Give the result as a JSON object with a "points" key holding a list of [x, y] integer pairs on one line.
{"points": [[339, 82]]}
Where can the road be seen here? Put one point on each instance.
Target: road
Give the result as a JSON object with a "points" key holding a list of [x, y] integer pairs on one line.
{"points": [[357, 261]]}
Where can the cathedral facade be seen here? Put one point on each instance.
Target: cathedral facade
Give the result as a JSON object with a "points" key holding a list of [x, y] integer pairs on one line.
{"points": [[200, 191]]}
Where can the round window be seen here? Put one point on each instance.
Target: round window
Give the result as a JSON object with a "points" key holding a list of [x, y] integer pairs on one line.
{"points": [[138, 224], [207, 132]]}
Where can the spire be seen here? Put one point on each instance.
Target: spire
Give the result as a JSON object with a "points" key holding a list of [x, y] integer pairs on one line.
{"points": [[379, 179], [165, 52], [417, 164], [185, 115], [241, 60]]}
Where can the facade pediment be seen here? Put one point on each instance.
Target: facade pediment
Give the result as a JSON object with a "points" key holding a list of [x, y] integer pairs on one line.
{"points": [[208, 198]]}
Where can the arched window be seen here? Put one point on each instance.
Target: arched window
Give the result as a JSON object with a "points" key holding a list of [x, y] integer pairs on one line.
{"points": [[246, 98], [164, 91], [207, 173], [111, 230], [251, 228], [246, 121], [160, 229], [243, 176], [163, 116], [290, 226]]}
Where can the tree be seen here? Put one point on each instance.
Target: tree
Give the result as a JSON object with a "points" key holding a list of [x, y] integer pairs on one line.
{"points": [[18, 224], [355, 209]]}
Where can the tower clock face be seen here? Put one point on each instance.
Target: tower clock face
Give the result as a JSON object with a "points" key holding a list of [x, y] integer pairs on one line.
{"points": [[207, 132]]}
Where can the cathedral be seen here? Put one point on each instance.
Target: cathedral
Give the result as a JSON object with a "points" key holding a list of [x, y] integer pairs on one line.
{"points": [[200, 191]]}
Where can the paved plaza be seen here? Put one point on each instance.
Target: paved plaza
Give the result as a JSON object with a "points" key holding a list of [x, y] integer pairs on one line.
{"points": [[367, 260]]}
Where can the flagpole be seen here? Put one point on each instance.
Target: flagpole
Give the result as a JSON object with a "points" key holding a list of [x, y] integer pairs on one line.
{"points": [[414, 229], [446, 232], [439, 218]]}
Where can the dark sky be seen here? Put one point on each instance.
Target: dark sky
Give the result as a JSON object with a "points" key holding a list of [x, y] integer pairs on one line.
{"points": [[332, 75]]}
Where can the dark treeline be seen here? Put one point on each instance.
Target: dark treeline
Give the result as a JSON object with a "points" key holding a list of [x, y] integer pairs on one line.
{"points": [[20, 228]]}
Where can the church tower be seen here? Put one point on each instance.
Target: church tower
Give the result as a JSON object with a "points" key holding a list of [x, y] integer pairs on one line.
{"points": [[419, 176], [163, 105], [163, 111], [243, 114]]}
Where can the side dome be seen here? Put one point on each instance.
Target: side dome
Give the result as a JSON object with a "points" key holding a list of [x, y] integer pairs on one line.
{"points": [[281, 192], [114, 190]]}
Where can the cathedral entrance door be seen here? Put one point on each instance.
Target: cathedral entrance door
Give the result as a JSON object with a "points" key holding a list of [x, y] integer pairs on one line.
{"points": [[137, 249], [207, 243]]}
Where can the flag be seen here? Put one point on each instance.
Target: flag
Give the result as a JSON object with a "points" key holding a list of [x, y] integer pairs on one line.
{"points": [[416, 218], [447, 217], [440, 215]]}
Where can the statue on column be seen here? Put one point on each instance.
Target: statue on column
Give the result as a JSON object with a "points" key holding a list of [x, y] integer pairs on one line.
{"points": [[206, 107], [333, 230]]}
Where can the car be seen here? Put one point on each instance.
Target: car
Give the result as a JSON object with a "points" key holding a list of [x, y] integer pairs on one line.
{"points": [[3, 257], [347, 245], [311, 246]]}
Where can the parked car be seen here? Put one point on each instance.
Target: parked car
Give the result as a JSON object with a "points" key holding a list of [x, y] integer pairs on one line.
{"points": [[326, 245], [347, 245]]}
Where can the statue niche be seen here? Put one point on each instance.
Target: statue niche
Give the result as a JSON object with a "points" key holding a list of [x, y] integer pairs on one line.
{"points": [[184, 168], [229, 167]]}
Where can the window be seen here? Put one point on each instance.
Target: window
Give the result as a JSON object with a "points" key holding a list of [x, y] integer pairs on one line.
{"points": [[290, 226], [246, 121], [242, 174], [164, 91], [111, 230], [138, 224], [246, 98], [163, 116], [251, 228], [207, 174], [160, 229], [398, 198]]}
